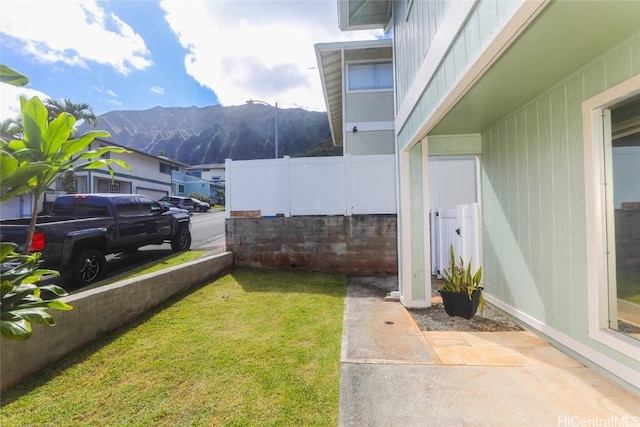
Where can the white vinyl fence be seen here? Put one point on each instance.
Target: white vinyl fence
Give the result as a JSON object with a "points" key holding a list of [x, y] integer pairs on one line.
{"points": [[312, 185], [457, 226]]}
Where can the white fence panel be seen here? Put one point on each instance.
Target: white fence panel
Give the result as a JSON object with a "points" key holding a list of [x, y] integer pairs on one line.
{"points": [[257, 185], [373, 185], [312, 186], [448, 227], [317, 186], [457, 226]]}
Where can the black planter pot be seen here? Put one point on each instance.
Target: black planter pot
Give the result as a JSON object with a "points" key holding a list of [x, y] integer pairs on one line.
{"points": [[459, 303]]}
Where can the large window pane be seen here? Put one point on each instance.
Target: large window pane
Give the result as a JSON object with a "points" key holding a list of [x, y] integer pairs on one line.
{"points": [[384, 76], [361, 76], [624, 284], [378, 75]]}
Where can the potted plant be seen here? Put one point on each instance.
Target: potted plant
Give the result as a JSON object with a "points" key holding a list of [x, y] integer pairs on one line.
{"points": [[461, 292]]}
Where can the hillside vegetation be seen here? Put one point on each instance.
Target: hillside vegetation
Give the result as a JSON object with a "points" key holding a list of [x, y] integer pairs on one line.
{"points": [[201, 135]]}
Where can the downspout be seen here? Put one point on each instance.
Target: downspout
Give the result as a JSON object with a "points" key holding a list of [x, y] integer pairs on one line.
{"points": [[344, 101]]}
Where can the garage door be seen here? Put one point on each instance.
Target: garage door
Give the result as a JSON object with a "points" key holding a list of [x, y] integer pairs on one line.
{"points": [[156, 194]]}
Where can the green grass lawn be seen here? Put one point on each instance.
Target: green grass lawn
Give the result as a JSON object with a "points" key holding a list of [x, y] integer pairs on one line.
{"points": [[628, 287], [255, 347]]}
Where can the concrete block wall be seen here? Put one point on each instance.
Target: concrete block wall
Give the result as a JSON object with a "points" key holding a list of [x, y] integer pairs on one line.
{"points": [[358, 244], [101, 310]]}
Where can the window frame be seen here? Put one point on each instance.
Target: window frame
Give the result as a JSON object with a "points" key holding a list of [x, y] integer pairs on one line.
{"points": [[596, 205], [369, 62]]}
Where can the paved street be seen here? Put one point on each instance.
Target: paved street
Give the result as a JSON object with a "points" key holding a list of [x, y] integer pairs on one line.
{"points": [[207, 231]]}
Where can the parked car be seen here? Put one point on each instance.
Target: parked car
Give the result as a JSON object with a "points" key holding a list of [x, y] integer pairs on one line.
{"points": [[180, 202], [200, 206], [82, 228], [174, 208]]}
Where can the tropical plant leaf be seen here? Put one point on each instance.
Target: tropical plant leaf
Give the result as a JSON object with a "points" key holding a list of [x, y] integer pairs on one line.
{"points": [[459, 276], [8, 165], [34, 122], [12, 77], [75, 146], [54, 304], [55, 289], [6, 248], [5, 288], [104, 150], [17, 329], [57, 133], [35, 315]]}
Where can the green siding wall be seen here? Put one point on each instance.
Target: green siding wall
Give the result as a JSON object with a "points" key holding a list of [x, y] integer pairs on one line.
{"points": [[448, 145], [416, 182], [534, 200], [413, 38], [487, 17]]}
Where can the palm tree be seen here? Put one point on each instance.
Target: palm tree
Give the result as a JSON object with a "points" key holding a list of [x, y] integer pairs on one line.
{"points": [[10, 128], [81, 111]]}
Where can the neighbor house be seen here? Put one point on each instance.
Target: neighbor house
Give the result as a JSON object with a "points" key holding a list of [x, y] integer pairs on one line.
{"points": [[212, 172], [357, 82], [150, 175], [546, 94]]}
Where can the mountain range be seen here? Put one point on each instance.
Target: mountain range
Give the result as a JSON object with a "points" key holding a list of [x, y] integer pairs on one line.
{"points": [[202, 135]]}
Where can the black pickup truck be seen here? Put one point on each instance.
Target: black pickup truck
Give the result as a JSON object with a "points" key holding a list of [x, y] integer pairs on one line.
{"points": [[82, 228]]}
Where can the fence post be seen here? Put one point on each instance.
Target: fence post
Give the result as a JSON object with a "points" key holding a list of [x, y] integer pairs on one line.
{"points": [[227, 188], [287, 191], [348, 208]]}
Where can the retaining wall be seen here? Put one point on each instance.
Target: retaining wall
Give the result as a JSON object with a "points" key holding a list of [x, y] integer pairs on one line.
{"points": [[358, 244], [101, 310]]}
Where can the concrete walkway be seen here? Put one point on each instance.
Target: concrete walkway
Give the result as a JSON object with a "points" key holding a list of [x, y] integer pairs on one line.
{"points": [[393, 374]]}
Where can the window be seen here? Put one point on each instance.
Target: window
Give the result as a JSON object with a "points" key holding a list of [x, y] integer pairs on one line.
{"points": [[612, 172], [371, 76], [80, 206], [108, 186], [149, 205], [622, 197], [126, 206], [180, 188], [165, 168]]}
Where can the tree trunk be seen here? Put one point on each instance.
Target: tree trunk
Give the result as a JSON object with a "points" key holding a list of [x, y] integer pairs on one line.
{"points": [[32, 225]]}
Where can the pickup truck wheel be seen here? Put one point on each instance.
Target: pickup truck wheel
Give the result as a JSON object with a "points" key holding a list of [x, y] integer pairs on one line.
{"points": [[181, 241], [88, 266]]}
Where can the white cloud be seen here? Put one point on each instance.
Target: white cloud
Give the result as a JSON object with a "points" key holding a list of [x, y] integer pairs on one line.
{"points": [[258, 49], [73, 32], [157, 89], [10, 99]]}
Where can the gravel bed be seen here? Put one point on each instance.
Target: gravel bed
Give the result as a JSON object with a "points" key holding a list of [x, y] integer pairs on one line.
{"points": [[434, 318]]}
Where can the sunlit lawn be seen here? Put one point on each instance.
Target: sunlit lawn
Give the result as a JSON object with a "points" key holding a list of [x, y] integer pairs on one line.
{"points": [[252, 348], [628, 287]]}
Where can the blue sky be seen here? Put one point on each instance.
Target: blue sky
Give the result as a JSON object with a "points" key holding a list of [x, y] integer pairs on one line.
{"points": [[138, 54]]}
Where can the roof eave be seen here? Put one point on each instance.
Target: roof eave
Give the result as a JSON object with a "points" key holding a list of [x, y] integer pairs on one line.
{"points": [[345, 19]]}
